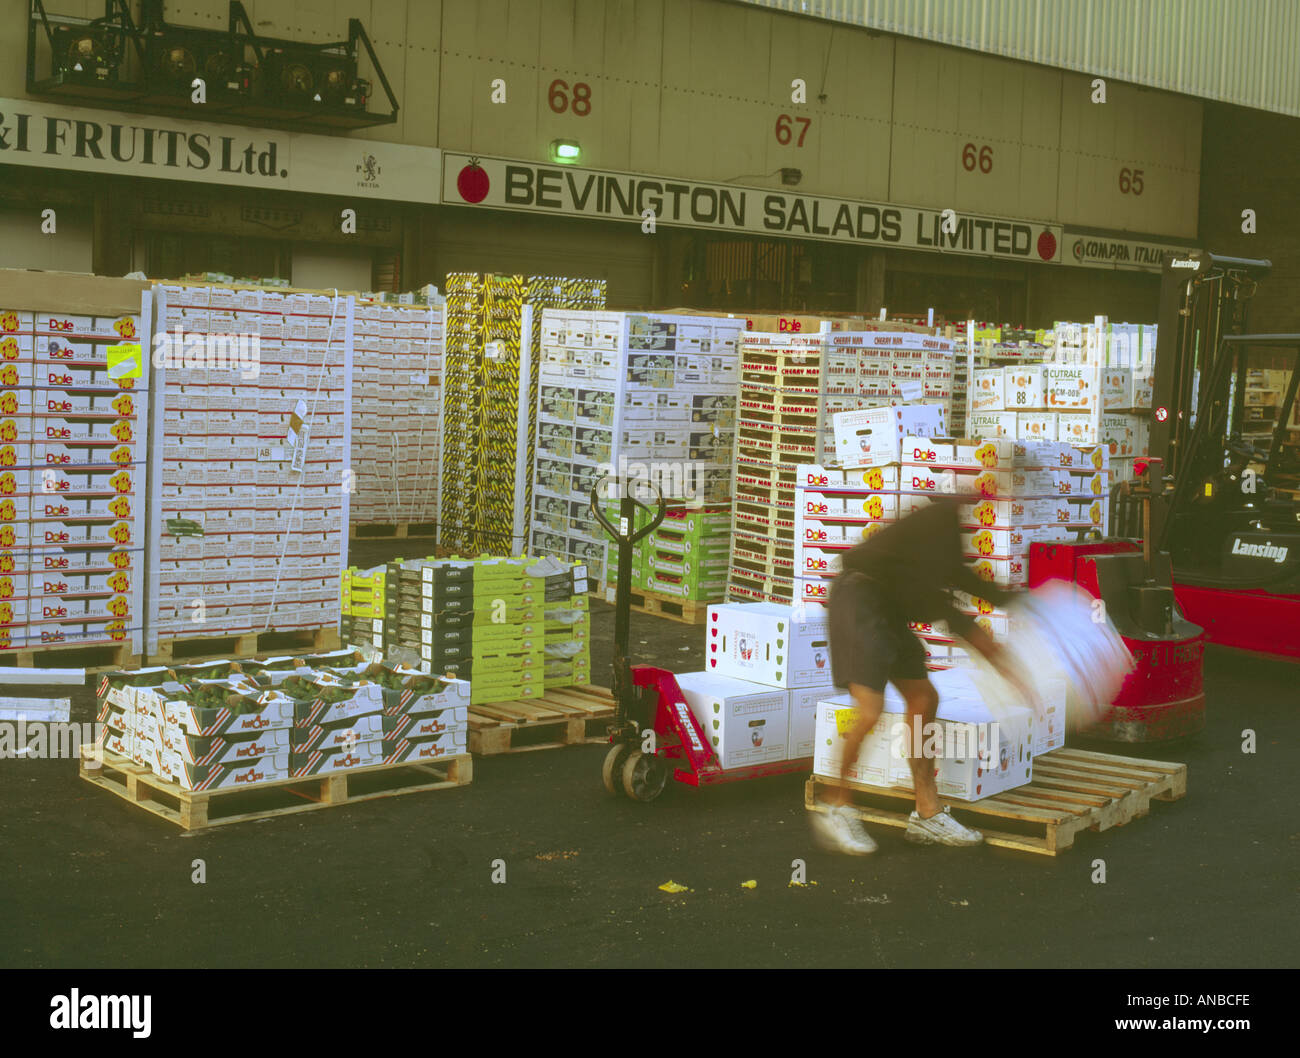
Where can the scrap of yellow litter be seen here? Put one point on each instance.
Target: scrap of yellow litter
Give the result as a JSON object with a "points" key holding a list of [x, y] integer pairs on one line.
{"points": [[672, 887], [751, 884], [801, 885]]}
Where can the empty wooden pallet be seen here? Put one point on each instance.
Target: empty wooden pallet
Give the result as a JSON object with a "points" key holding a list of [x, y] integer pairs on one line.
{"points": [[563, 716]]}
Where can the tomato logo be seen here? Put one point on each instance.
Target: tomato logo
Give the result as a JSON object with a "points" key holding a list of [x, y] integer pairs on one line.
{"points": [[8, 375], [123, 405], [9, 404], [120, 482], [8, 430], [120, 507], [8, 321], [121, 430], [472, 182], [7, 510], [125, 327], [120, 559], [120, 533], [8, 484]]}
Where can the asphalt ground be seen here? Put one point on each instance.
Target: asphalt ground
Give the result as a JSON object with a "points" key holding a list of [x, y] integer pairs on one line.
{"points": [[87, 880]]}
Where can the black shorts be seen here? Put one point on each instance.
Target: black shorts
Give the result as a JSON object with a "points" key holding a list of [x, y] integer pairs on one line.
{"points": [[870, 643]]}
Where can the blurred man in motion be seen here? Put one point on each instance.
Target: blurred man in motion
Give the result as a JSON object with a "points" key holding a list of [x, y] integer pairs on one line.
{"points": [[903, 573]]}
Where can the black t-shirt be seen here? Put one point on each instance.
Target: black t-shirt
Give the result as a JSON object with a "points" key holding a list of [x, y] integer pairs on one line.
{"points": [[917, 561]]}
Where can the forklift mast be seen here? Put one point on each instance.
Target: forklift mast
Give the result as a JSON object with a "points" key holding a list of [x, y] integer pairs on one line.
{"points": [[1203, 297]]}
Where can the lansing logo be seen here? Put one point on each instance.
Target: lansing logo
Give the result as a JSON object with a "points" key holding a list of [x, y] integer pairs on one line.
{"points": [[76, 1011], [1264, 550], [1185, 262]]}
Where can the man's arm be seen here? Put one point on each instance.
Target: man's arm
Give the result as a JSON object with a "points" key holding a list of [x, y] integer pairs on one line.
{"points": [[997, 656]]}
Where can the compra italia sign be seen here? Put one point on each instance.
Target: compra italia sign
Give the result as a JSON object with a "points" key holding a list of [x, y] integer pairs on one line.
{"points": [[500, 183]]}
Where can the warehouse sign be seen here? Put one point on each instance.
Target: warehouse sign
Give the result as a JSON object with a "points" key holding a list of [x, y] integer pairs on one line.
{"points": [[1104, 251], [46, 135], [498, 183]]}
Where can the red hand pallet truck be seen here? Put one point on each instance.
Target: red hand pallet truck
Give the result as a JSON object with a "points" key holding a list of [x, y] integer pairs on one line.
{"points": [[654, 732]]}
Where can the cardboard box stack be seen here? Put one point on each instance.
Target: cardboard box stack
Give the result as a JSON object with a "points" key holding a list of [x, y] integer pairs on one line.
{"points": [[489, 422], [361, 606], [766, 667], [232, 724], [74, 415], [686, 557], [249, 506], [645, 395], [397, 413], [1094, 388], [793, 388], [981, 753], [496, 622]]}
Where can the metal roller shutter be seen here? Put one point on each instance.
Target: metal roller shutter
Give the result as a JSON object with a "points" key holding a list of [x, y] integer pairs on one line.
{"points": [[483, 241]]}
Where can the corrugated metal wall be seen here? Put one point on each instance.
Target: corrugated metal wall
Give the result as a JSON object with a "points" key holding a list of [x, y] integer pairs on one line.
{"points": [[1245, 52]]}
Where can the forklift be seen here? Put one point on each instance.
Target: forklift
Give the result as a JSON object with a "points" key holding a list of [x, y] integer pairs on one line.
{"points": [[1203, 543]]}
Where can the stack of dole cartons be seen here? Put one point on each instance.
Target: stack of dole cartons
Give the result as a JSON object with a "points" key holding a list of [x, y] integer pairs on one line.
{"points": [[685, 557], [766, 667], [838, 506], [397, 413], [249, 506], [567, 622], [641, 395], [977, 751], [361, 603], [482, 620], [74, 413], [490, 419]]}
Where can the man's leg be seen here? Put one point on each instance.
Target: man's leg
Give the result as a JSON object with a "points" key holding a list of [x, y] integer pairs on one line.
{"points": [[922, 704], [869, 705]]}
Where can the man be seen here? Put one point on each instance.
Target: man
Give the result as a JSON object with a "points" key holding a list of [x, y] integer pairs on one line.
{"points": [[902, 573]]}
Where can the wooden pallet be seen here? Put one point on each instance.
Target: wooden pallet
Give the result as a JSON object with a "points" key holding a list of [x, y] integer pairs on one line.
{"points": [[1072, 790], [393, 531], [103, 657], [687, 611], [564, 716], [199, 810], [180, 650]]}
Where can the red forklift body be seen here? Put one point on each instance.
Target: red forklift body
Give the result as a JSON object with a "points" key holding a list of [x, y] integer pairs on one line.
{"points": [[1163, 697]]}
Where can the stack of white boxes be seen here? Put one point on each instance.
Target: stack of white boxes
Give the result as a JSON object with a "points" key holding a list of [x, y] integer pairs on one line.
{"points": [[794, 388], [983, 753], [73, 428], [249, 497], [1096, 389], [647, 395], [397, 405], [766, 667], [837, 507]]}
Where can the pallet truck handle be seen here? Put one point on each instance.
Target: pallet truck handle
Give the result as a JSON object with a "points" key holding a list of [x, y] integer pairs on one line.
{"points": [[635, 535]]}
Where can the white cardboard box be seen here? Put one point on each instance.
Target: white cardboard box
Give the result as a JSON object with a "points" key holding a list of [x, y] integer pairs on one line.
{"points": [[873, 436], [803, 720], [768, 643], [834, 719], [983, 754], [745, 723]]}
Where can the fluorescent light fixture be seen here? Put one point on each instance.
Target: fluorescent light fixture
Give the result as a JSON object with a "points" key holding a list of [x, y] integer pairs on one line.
{"points": [[566, 151]]}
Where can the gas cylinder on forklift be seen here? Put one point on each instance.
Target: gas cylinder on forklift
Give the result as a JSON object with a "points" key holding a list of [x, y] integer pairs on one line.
{"points": [[1163, 697]]}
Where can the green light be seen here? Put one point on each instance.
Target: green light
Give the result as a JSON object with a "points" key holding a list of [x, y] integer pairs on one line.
{"points": [[565, 151]]}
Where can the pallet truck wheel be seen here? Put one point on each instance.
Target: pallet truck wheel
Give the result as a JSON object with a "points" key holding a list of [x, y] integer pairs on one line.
{"points": [[612, 772], [644, 776]]}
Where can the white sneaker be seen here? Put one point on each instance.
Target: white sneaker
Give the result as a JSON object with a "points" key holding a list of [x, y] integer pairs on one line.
{"points": [[940, 830], [840, 830]]}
